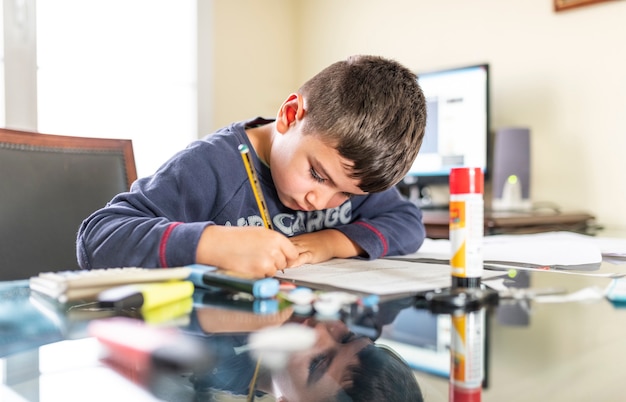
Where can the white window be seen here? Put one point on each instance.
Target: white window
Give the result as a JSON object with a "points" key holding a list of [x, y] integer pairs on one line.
{"points": [[121, 69]]}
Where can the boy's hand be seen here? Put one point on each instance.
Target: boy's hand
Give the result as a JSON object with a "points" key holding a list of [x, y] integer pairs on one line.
{"points": [[253, 250], [322, 246]]}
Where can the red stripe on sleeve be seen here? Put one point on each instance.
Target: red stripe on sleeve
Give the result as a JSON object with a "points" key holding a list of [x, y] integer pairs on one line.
{"points": [[163, 245], [380, 236]]}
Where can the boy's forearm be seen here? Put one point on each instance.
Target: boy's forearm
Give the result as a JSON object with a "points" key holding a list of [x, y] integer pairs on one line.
{"points": [[342, 245], [323, 245], [387, 224]]}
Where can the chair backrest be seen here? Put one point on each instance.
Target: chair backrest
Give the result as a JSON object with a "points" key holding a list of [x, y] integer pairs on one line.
{"points": [[48, 185]]}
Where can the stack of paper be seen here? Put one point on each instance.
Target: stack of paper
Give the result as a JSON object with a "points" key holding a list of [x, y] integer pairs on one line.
{"points": [[563, 250], [379, 277]]}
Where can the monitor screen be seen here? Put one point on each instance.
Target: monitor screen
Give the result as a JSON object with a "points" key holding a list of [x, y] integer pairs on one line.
{"points": [[457, 126]]}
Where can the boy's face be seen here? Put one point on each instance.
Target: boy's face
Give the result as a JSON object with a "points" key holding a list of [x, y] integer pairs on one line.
{"points": [[319, 372], [309, 174]]}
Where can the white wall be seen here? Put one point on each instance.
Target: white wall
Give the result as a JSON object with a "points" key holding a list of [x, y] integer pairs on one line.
{"points": [[254, 58], [563, 74]]}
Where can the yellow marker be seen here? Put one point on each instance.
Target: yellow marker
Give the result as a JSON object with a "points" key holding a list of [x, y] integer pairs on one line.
{"points": [[145, 296], [169, 311], [256, 185]]}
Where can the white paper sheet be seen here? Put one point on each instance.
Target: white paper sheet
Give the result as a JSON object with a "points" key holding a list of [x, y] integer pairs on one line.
{"points": [[563, 250], [428, 269], [613, 249], [379, 277]]}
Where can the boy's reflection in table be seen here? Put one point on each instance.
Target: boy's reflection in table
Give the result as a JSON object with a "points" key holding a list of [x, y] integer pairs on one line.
{"points": [[341, 365]]}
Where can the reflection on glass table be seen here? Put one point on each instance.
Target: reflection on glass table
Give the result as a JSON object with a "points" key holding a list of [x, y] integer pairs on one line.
{"points": [[249, 349]]}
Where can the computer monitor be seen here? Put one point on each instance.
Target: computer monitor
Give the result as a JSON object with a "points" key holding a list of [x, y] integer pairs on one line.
{"points": [[457, 126]]}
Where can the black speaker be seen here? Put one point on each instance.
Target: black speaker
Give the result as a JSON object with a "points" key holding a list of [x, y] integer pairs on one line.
{"points": [[510, 181]]}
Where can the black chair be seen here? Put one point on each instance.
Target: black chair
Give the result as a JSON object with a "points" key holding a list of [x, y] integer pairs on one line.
{"points": [[48, 185]]}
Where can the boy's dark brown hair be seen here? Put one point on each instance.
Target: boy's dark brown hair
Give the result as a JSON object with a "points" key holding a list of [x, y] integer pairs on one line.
{"points": [[372, 110], [380, 375]]}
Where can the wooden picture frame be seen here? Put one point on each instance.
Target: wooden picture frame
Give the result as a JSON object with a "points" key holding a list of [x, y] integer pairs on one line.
{"points": [[561, 5]]}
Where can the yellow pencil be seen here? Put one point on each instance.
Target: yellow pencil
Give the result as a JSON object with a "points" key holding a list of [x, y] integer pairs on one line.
{"points": [[256, 185]]}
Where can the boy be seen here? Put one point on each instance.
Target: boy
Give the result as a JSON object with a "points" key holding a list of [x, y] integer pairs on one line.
{"points": [[327, 167]]}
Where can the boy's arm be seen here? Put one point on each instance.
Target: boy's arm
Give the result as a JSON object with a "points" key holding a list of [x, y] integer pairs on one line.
{"points": [[159, 222], [120, 236], [165, 221], [323, 245], [384, 224], [133, 230]]}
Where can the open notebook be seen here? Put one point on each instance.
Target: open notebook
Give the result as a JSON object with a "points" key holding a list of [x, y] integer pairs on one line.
{"points": [[428, 268]]}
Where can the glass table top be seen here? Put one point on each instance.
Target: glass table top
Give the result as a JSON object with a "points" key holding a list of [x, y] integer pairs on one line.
{"points": [[564, 345]]}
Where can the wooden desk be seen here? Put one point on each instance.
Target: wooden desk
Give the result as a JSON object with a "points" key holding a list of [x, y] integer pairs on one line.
{"points": [[437, 222]]}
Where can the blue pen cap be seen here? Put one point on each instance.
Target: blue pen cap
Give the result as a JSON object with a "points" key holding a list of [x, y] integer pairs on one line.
{"points": [[265, 288], [197, 270], [265, 306]]}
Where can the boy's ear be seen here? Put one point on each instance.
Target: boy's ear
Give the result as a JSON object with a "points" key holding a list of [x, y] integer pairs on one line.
{"points": [[290, 111]]}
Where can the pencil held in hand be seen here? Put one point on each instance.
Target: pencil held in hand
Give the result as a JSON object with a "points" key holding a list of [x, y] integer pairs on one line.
{"points": [[256, 185]]}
